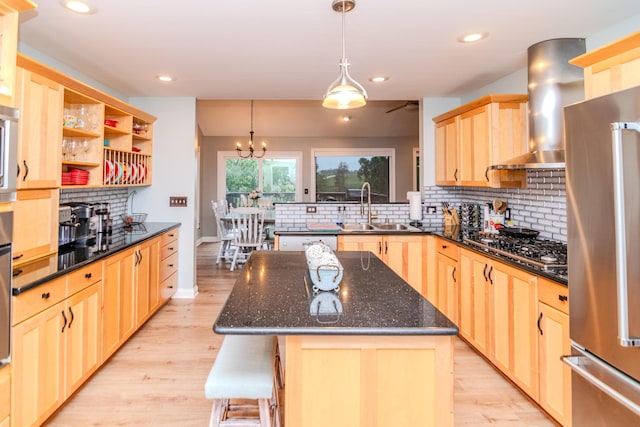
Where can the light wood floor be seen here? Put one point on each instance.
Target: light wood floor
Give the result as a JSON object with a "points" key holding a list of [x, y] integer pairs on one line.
{"points": [[157, 378]]}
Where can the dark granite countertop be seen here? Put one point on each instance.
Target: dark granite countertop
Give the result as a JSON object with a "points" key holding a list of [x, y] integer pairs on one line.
{"points": [[272, 296], [70, 257]]}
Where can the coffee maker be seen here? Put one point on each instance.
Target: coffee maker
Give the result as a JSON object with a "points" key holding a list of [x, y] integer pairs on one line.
{"points": [[103, 225], [83, 216], [68, 225]]}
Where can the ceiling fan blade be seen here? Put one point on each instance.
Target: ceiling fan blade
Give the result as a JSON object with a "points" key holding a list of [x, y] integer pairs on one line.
{"points": [[396, 108]]}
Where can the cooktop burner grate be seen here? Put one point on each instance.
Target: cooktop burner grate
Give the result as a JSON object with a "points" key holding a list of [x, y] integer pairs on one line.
{"points": [[544, 254]]}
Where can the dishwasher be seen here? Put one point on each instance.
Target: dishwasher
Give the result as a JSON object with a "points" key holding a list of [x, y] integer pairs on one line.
{"points": [[291, 242]]}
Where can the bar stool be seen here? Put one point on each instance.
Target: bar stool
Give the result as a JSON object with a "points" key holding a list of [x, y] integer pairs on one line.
{"points": [[245, 369]]}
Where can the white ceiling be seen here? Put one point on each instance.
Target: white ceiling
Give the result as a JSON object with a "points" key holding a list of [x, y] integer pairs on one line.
{"points": [[285, 50]]}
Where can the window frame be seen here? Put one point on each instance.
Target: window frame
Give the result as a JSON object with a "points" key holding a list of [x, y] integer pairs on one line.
{"points": [[269, 155], [357, 152]]}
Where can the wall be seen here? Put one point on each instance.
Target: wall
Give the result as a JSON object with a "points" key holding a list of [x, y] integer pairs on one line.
{"points": [[174, 174], [211, 145]]}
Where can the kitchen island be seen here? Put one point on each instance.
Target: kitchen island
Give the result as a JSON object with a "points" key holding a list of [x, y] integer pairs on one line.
{"points": [[373, 353]]}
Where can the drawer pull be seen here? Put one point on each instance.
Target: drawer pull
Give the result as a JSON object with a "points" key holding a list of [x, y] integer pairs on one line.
{"points": [[72, 317], [444, 246], [540, 320], [45, 295], [171, 235], [171, 265], [562, 297], [16, 272], [64, 316], [87, 276], [170, 249], [18, 256]]}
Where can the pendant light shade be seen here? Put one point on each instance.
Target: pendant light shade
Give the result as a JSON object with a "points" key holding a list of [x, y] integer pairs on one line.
{"points": [[344, 93]]}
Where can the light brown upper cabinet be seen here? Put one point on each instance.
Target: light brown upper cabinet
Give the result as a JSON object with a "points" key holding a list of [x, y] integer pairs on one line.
{"points": [[612, 67], [9, 10], [471, 138]]}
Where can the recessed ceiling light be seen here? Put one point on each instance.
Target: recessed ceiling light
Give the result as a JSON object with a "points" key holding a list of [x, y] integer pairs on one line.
{"points": [[78, 6], [379, 79], [346, 118], [165, 78], [472, 37]]}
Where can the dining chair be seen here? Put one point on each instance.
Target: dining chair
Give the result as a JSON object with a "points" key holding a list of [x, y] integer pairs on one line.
{"points": [[225, 230], [244, 200], [248, 230]]}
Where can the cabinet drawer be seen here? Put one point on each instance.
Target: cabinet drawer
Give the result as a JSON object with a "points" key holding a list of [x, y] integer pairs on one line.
{"points": [[554, 295], [168, 266], [5, 391], [80, 279], [169, 249], [38, 299], [169, 286], [169, 236], [447, 248]]}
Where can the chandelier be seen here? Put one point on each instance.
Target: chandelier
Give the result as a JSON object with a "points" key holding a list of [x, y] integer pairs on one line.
{"points": [[251, 153], [344, 93]]}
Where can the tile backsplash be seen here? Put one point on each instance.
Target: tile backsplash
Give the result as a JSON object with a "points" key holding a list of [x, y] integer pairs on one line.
{"points": [[116, 197], [541, 206]]}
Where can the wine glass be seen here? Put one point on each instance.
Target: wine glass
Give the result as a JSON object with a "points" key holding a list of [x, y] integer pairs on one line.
{"points": [[73, 147], [84, 146], [65, 148]]}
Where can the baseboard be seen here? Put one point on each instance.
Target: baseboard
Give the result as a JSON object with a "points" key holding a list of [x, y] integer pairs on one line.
{"points": [[186, 293]]}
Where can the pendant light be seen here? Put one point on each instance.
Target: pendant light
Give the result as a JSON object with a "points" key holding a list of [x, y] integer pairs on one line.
{"points": [[251, 154], [344, 93]]}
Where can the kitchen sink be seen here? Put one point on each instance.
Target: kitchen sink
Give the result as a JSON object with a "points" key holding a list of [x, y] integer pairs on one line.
{"points": [[352, 226], [377, 226], [390, 226]]}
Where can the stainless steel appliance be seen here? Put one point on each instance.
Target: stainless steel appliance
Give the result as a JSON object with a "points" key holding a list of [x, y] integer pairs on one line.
{"points": [[84, 216], [9, 153], [603, 203], [544, 255], [6, 230]]}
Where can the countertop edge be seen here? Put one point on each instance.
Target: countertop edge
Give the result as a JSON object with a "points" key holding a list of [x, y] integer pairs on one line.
{"points": [[101, 256], [329, 331]]}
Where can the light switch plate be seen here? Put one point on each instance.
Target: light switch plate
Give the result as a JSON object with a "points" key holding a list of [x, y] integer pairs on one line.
{"points": [[178, 201]]}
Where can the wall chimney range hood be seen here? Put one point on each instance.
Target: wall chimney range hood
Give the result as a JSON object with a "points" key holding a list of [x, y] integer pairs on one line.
{"points": [[553, 84]]}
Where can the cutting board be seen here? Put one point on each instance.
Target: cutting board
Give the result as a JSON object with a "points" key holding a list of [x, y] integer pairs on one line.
{"points": [[323, 226]]}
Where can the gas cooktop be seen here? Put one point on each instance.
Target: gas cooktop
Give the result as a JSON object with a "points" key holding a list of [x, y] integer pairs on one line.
{"points": [[547, 255]]}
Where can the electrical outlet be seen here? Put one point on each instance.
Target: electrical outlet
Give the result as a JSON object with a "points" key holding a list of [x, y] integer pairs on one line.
{"points": [[178, 201], [431, 209], [311, 209]]}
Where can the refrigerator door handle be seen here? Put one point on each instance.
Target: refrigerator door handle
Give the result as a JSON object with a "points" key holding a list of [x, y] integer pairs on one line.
{"points": [[624, 338], [597, 375]]}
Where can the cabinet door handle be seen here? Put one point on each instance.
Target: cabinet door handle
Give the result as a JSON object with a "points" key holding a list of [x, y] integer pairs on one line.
{"points": [[18, 173], [453, 275], [486, 174], [26, 170], [490, 278], [379, 248], [540, 320], [455, 175], [72, 317], [484, 272], [64, 316], [87, 276], [45, 295], [562, 297], [386, 249]]}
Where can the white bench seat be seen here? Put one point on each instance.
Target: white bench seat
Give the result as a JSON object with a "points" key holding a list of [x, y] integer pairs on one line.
{"points": [[244, 369]]}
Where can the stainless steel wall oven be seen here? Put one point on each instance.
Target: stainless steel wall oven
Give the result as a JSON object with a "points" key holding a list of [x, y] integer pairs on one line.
{"points": [[6, 230]]}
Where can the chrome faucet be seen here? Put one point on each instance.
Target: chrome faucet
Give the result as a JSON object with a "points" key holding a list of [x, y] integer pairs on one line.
{"points": [[369, 216]]}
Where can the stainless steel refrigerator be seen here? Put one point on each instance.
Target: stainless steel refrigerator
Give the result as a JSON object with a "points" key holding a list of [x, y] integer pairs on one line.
{"points": [[603, 219]]}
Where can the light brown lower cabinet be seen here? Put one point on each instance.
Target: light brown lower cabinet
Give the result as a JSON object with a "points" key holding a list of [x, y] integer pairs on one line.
{"points": [[448, 279], [520, 322], [5, 396], [55, 346], [403, 253], [554, 342], [65, 329]]}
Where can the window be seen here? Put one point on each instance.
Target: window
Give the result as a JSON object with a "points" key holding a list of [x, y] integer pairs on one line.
{"points": [[277, 175], [340, 173]]}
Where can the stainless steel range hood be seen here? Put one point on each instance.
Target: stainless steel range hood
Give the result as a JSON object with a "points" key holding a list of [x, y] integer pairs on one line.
{"points": [[553, 84]]}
